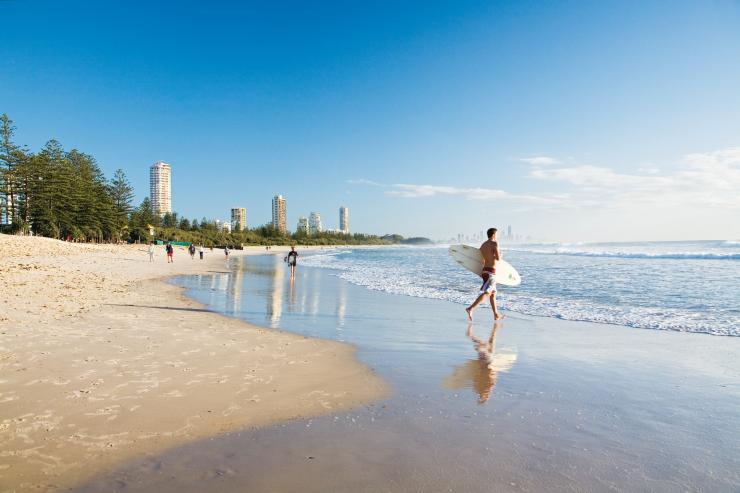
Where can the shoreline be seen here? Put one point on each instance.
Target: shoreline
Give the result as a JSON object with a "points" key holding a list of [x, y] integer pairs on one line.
{"points": [[104, 361]]}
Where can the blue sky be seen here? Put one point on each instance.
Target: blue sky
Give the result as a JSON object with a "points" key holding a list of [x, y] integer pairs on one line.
{"points": [[571, 121]]}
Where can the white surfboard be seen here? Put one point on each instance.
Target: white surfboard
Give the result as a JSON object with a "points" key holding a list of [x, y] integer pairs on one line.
{"points": [[471, 258]]}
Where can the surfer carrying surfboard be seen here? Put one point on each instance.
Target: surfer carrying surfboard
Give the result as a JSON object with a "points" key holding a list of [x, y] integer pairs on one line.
{"points": [[490, 251], [292, 259]]}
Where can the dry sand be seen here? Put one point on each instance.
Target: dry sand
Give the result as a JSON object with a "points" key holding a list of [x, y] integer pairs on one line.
{"points": [[101, 361]]}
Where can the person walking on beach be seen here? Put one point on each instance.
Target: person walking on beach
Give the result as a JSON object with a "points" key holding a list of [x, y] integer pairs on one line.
{"points": [[191, 251], [226, 252], [170, 252], [200, 252], [150, 251], [491, 253], [292, 260]]}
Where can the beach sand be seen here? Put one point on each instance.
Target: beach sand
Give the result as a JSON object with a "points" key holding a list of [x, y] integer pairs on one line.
{"points": [[102, 362]]}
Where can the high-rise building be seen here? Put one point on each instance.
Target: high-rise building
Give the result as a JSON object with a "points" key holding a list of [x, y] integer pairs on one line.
{"points": [[278, 213], [508, 232], [314, 223], [344, 219], [302, 225], [160, 188], [238, 219], [4, 216]]}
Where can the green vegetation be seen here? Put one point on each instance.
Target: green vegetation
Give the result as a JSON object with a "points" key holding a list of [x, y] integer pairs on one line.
{"points": [[206, 234], [56, 193], [398, 239], [64, 194]]}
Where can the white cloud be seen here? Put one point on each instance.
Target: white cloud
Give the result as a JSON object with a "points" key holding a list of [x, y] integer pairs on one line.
{"points": [[362, 181], [540, 160], [649, 170], [702, 180], [413, 191], [705, 179]]}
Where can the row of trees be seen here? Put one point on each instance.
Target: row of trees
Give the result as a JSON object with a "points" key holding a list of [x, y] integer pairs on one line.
{"points": [[64, 194], [58, 193]]}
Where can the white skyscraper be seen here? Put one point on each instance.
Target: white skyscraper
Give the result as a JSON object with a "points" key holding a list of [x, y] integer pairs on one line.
{"points": [[344, 219], [160, 188], [238, 219], [278, 213], [302, 225], [314, 223]]}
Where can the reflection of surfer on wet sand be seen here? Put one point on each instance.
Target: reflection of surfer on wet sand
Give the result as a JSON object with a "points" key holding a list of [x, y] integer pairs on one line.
{"points": [[481, 373]]}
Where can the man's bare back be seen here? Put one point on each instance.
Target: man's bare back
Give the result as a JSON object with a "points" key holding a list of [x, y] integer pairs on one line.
{"points": [[490, 252]]}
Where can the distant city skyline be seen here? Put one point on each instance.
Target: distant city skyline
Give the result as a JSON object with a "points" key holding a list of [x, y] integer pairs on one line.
{"points": [[598, 121]]}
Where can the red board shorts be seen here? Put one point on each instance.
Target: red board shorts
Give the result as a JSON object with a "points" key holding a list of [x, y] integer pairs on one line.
{"points": [[489, 281]]}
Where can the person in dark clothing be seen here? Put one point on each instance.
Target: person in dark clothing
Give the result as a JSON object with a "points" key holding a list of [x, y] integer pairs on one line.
{"points": [[170, 252], [292, 260]]}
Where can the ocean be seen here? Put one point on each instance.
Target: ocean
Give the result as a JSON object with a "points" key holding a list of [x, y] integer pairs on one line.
{"points": [[679, 286]]}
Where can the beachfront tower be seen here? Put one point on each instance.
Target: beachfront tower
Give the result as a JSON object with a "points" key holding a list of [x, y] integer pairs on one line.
{"points": [[278, 213], [160, 188], [302, 225], [314, 223], [508, 232], [238, 219], [344, 220]]}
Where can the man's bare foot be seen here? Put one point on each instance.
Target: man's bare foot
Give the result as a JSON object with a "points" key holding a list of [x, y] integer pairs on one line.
{"points": [[498, 316], [470, 313]]}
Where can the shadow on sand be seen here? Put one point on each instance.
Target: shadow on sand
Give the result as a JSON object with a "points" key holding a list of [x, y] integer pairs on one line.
{"points": [[162, 307]]}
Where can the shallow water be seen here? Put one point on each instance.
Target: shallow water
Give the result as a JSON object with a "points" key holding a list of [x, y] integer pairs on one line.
{"points": [[681, 286], [556, 406]]}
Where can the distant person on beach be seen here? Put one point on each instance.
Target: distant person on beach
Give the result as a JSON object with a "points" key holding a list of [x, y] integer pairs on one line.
{"points": [[200, 252], [292, 260], [150, 251], [191, 251], [170, 251], [491, 254], [226, 251]]}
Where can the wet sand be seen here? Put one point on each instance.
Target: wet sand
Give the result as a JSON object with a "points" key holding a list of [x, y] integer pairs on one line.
{"points": [[102, 362], [549, 406]]}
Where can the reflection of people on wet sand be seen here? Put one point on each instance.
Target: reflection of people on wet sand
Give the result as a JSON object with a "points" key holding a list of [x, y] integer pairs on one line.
{"points": [[481, 373], [291, 292]]}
